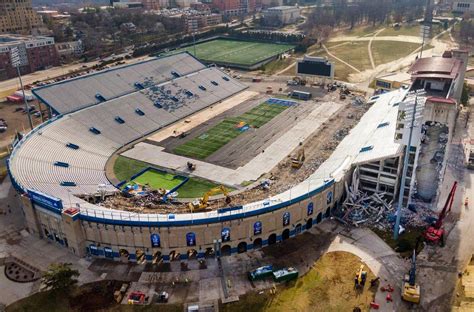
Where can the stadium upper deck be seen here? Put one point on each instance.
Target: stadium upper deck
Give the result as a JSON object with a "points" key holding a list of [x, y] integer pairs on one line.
{"points": [[71, 95], [67, 155]]}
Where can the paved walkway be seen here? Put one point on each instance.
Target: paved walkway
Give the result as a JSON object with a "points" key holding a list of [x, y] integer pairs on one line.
{"points": [[369, 47], [255, 168], [16, 241]]}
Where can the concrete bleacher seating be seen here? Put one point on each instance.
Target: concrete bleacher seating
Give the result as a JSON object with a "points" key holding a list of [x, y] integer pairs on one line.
{"points": [[33, 160]]}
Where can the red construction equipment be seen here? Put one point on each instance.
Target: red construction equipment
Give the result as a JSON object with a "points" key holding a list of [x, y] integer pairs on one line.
{"points": [[435, 233]]}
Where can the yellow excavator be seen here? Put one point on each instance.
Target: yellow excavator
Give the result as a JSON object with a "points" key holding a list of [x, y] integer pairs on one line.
{"points": [[298, 159], [201, 203], [411, 290]]}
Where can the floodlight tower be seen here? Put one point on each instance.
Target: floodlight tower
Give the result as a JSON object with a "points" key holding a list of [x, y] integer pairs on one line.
{"points": [[16, 62]]}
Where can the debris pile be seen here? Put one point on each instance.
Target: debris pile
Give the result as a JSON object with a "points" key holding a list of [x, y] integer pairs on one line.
{"points": [[377, 210]]}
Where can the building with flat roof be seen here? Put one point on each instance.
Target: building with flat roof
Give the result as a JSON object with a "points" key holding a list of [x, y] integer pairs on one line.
{"points": [[462, 6], [17, 16], [392, 81], [36, 53], [281, 15]]}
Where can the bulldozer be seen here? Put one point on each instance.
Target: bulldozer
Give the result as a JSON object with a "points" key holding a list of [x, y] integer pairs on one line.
{"points": [[202, 203], [411, 290], [298, 159]]}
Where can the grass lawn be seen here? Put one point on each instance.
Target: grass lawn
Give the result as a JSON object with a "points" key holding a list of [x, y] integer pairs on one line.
{"points": [[326, 287], [354, 53], [158, 179], [222, 133], [361, 31], [388, 51], [125, 168], [237, 52], [409, 30], [196, 187]]}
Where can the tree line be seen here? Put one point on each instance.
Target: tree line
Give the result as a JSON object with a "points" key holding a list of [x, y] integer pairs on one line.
{"points": [[343, 13]]}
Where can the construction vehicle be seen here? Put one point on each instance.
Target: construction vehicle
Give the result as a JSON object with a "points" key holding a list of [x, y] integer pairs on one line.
{"points": [[298, 159], [191, 166], [202, 203], [411, 290], [470, 162], [299, 80], [435, 233], [360, 278]]}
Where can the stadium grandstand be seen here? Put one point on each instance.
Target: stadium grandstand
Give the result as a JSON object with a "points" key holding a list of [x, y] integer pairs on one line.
{"points": [[100, 113]]}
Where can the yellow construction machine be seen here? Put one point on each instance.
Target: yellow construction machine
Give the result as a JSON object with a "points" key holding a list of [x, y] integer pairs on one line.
{"points": [[360, 278], [411, 290], [201, 203], [298, 159]]}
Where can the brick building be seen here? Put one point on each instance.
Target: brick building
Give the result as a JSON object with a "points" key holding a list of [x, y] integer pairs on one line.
{"points": [[17, 16], [236, 7], [36, 53]]}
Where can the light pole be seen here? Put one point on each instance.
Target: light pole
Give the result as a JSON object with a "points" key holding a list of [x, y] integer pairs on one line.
{"points": [[401, 192], [16, 62]]}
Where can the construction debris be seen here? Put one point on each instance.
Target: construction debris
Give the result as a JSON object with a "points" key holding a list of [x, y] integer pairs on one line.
{"points": [[377, 210]]}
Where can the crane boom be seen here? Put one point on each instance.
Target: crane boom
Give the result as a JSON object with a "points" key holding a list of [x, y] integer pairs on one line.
{"points": [[447, 206]]}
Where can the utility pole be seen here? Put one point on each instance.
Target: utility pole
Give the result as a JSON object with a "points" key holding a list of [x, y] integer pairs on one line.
{"points": [[16, 62]]}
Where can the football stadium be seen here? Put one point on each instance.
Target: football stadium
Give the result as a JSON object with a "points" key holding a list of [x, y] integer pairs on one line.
{"points": [[236, 53], [156, 161]]}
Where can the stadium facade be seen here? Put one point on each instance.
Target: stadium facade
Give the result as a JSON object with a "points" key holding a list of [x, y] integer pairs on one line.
{"points": [[65, 158]]}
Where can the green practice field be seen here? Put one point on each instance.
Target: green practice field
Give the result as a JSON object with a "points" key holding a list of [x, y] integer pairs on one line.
{"points": [[244, 53], [156, 179], [228, 129]]}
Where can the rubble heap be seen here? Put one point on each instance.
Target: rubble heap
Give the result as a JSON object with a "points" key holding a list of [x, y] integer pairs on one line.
{"points": [[376, 210]]}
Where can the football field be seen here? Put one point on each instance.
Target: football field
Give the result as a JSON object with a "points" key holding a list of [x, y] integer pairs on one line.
{"points": [[228, 129], [235, 51]]}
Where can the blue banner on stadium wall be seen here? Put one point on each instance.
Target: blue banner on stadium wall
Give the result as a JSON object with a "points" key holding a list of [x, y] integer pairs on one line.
{"points": [[225, 234], [191, 239], [257, 228], [286, 218], [329, 197], [155, 240], [45, 201], [310, 209]]}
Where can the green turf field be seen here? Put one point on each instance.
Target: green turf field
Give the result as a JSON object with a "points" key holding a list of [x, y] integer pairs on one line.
{"points": [[156, 179], [236, 52], [125, 168], [222, 133]]}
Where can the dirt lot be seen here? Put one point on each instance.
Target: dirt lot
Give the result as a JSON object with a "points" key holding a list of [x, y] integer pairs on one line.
{"points": [[311, 292]]}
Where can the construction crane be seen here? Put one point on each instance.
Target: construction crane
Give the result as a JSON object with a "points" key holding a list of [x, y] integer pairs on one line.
{"points": [[411, 290], [435, 233], [298, 159], [202, 203]]}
